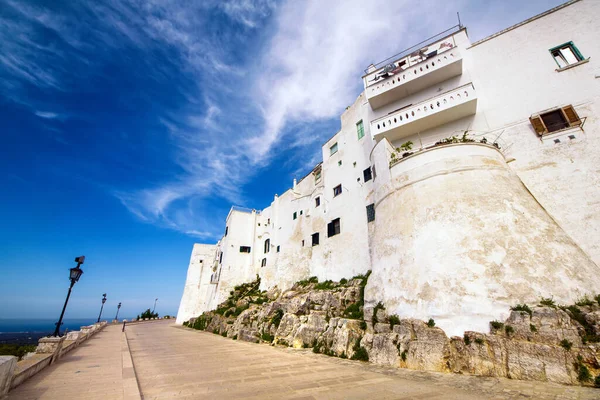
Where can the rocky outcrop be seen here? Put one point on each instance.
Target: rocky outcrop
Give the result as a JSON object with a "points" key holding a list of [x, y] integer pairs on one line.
{"points": [[545, 342]]}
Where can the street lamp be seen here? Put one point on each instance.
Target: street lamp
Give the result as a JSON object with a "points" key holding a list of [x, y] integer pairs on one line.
{"points": [[103, 301], [118, 308], [154, 308], [74, 275]]}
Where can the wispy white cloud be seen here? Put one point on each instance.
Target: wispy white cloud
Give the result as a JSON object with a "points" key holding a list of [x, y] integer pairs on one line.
{"points": [[47, 114]]}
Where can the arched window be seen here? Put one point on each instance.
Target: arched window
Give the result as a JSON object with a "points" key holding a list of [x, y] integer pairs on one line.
{"points": [[267, 245]]}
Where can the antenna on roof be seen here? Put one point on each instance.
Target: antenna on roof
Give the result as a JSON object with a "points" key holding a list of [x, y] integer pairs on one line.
{"points": [[459, 24]]}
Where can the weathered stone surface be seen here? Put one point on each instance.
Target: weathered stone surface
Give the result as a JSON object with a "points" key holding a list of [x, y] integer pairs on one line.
{"points": [[529, 346], [7, 367]]}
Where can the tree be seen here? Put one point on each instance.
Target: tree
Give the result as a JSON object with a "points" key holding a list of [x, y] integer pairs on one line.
{"points": [[147, 314]]}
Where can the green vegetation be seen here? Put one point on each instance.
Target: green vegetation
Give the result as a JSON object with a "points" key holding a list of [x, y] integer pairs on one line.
{"points": [[316, 346], [576, 314], [479, 340], [16, 350], [566, 344], [547, 302], [584, 301], [186, 323], [583, 373], [597, 298], [306, 282], [327, 285], [353, 311], [234, 337], [467, 339], [276, 320], [378, 307], [431, 323], [200, 323], [343, 281], [360, 353], [532, 328], [403, 355], [216, 331], [224, 334], [523, 308], [394, 320], [496, 325], [266, 336], [509, 330], [363, 325], [597, 381], [147, 314]]}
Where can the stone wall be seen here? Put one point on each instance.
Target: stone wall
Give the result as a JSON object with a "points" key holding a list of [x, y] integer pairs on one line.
{"points": [[542, 342]]}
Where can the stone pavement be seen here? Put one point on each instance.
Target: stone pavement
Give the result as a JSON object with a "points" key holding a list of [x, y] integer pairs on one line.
{"points": [[100, 368], [180, 363]]}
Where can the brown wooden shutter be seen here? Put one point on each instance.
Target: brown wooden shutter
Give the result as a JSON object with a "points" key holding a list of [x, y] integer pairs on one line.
{"points": [[538, 124], [571, 115]]}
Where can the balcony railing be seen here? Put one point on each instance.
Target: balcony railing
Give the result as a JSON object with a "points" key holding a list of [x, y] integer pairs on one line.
{"points": [[441, 109], [441, 64]]}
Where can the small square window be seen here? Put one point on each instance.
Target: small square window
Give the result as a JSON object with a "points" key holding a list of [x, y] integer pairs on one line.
{"points": [[333, 149], [244, 249], [301, 212], [556, 140], [278, 249], [371, 212], [571, 137], [367, 174], [566, 54], [302, 243], [360, 129], [315, 239], [555, 121], [337, 190], [333, 228], [263, 262], [295, 214], [340, 163], [317, 175], [317, 201]]}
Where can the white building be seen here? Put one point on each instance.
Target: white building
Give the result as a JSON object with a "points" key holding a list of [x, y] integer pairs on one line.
{"points": [[457, 232]]}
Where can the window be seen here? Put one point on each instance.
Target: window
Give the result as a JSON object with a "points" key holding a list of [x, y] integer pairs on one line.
{"points": [[315, 239], [295, 215], [263, 263], [360, 129], [340, 163], [278, 249], [268, 221], [367, 174], [221, 258], [317, 176], [317, 201], [566, 54], [333, 228], [244, 249], [333, 149], [226, 230], [302, 243], [337, 190], [301, 212], [371, 212], [555, 120], [267, 245]]}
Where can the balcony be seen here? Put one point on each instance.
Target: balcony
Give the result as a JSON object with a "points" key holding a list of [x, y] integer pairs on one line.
{"points": [[441, 109], [412, 73]]}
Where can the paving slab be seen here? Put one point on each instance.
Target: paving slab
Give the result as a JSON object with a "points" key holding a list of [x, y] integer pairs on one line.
{"points": [[94, 370], [181, 363]]}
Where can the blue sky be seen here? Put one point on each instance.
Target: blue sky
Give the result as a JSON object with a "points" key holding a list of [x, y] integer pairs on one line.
{"points": [[129, 127]]}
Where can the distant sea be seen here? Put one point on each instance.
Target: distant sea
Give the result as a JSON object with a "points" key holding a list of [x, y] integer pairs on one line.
{"points": [[28, 331]]}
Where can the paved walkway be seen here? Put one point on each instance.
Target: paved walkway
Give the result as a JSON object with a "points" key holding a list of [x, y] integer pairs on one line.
{"points": [[100, 368], [180, 363]]}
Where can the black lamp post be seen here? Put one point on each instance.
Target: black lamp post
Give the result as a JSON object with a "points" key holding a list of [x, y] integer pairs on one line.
{"points": [[103, 301], [154, 308], [118, 308], [74, 275]]}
